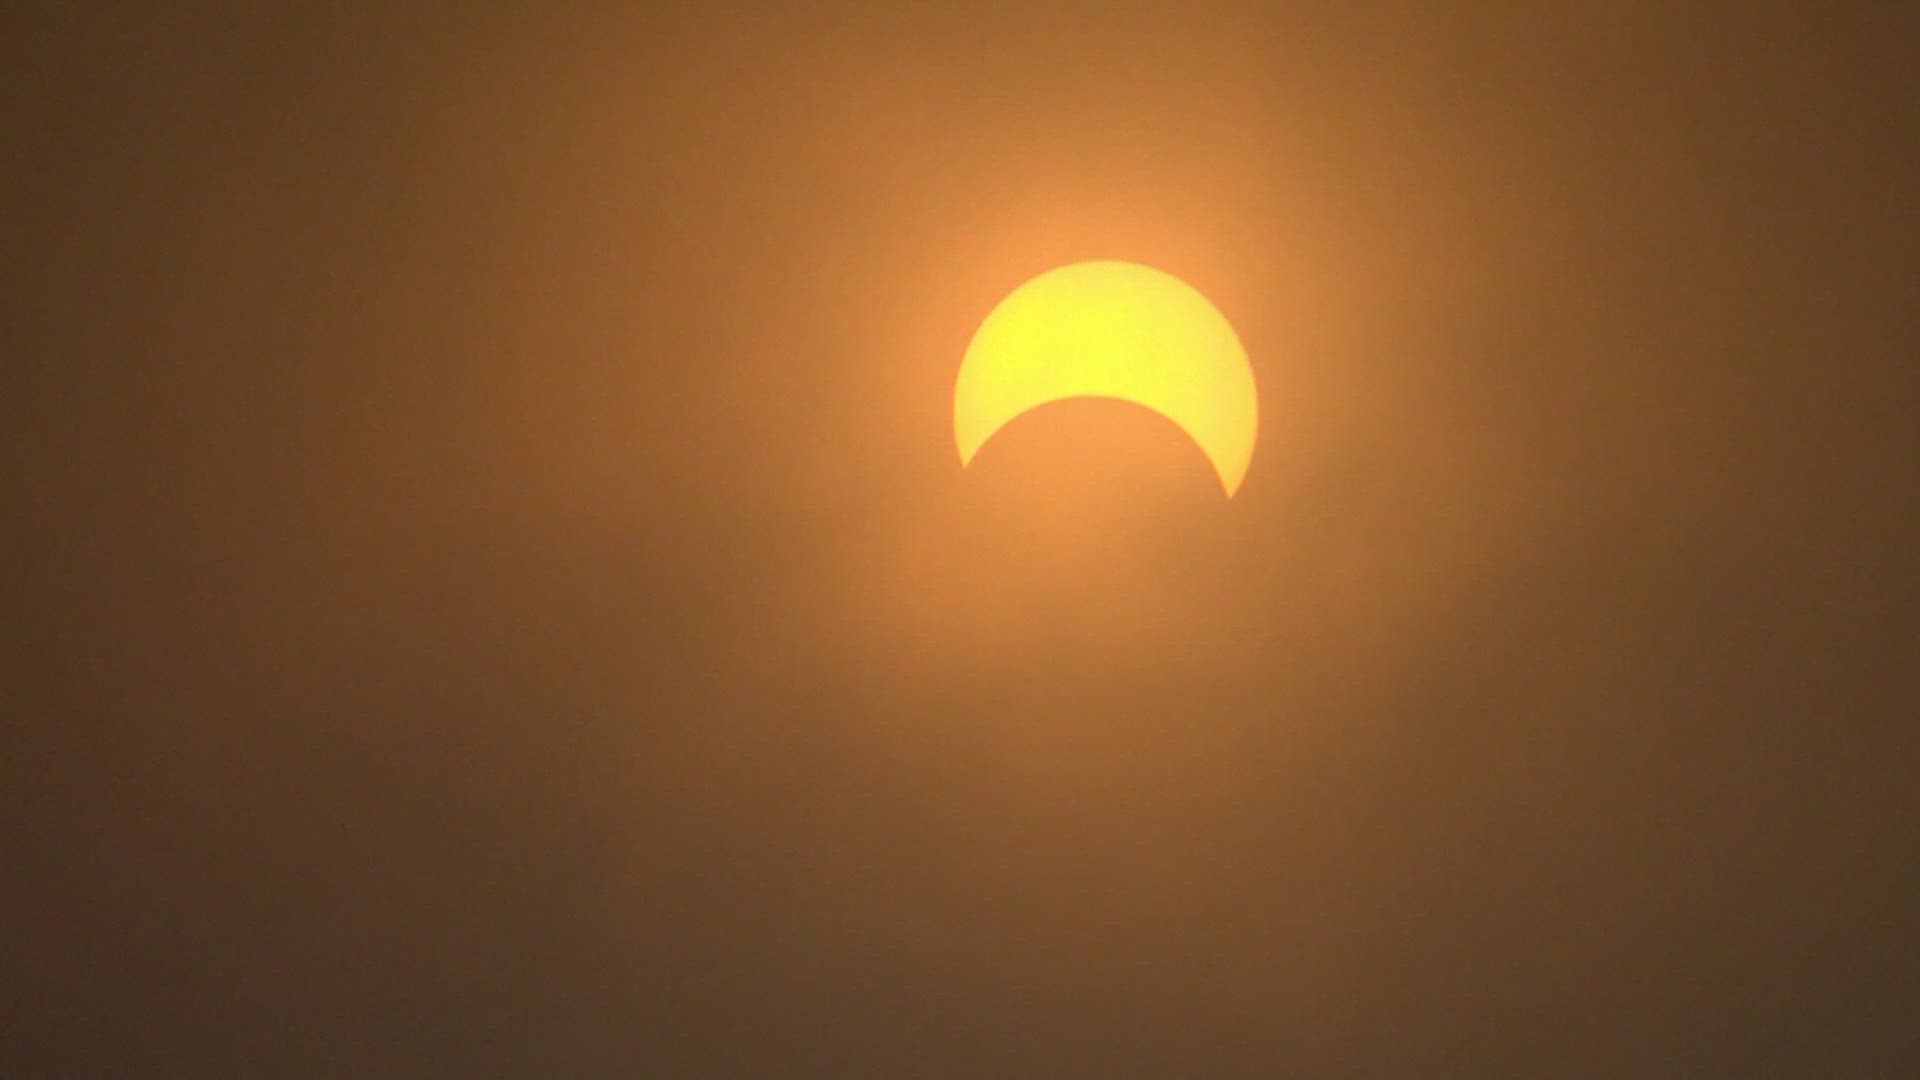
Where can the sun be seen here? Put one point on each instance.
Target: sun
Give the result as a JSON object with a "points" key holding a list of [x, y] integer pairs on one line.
{"points": [[1116, 330]]}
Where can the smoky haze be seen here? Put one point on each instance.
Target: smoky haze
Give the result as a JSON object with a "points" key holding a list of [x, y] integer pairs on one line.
{"points": [[495, 593]]}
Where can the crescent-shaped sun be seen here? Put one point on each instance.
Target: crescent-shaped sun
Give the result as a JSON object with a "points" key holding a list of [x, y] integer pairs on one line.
{"points": [[1116, 330]]}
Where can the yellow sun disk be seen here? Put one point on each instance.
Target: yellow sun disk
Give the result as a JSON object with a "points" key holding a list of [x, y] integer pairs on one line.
{"points": [[1116, 330]]}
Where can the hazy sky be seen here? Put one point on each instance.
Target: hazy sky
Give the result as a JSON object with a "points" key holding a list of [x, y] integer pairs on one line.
{"points": [[495, 594]]}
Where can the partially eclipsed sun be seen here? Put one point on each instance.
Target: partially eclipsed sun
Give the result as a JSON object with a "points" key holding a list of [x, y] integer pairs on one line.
{"points": [[1114, 330]]}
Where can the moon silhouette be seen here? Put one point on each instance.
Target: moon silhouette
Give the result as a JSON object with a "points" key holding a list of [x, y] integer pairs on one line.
{"points": [[1114, 330]]}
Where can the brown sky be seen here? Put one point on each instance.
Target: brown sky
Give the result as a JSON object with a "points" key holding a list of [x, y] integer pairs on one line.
{"points": [[496, 595]]}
